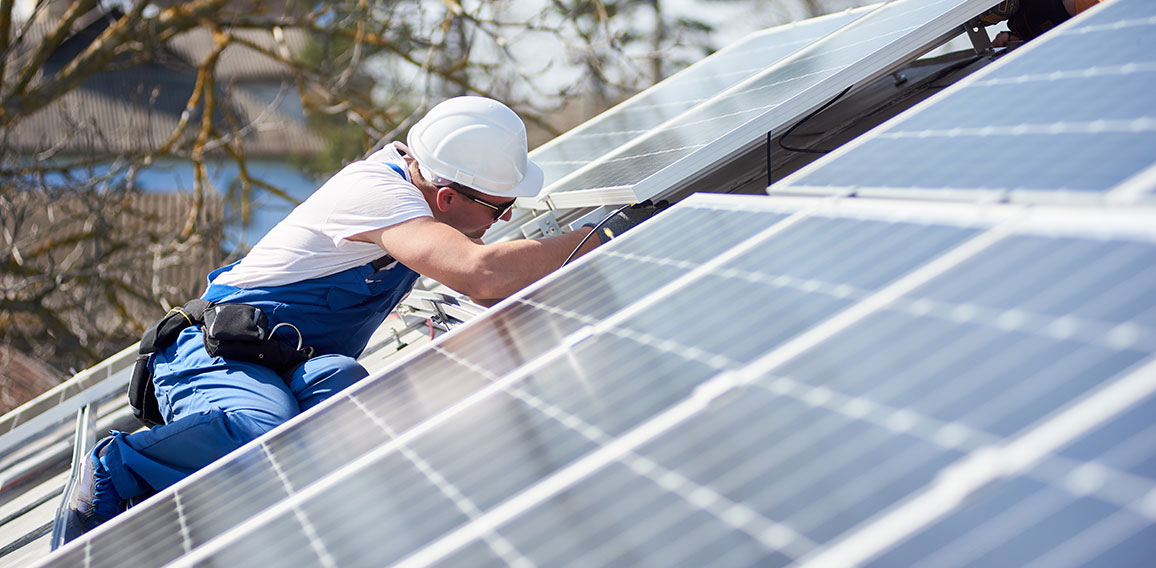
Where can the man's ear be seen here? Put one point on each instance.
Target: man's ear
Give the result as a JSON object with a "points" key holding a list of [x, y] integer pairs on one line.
{"points": [[443, 197]]}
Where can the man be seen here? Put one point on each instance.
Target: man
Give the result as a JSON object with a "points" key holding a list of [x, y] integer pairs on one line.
{"points": [[1028, 19], [326, 277]]}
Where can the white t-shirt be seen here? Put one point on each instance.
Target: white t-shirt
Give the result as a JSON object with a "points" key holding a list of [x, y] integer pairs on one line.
{"points": [[312, 241]]}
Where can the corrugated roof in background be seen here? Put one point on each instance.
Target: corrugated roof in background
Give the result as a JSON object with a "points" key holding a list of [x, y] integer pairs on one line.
{"points": [[137, 109]]}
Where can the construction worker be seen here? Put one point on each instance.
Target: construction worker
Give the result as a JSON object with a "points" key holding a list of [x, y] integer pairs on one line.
{"points": [[326, 277], [1027, 19]]}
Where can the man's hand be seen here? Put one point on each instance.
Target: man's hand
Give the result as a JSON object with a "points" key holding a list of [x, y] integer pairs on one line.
{"points": [[1026, 19], [626, 219]]}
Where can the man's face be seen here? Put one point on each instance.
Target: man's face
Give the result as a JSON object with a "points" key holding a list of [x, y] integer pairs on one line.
{"points": [[473, 212]]}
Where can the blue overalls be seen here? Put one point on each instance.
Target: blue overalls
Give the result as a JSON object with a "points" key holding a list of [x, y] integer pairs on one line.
{"points": [[213, 406]]}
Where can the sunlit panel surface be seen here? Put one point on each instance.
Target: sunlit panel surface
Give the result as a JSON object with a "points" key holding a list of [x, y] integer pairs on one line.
{"points": [[825, 382], [1070, 116], [681, 92]]}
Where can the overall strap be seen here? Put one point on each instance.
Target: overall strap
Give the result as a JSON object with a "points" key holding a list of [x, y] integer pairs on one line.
{"points": [[397, 169], [388, 260]]}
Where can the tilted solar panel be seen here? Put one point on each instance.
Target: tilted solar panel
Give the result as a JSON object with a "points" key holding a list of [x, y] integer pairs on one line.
{"points": [[740, 118], [1069, 116], [680, 92]]}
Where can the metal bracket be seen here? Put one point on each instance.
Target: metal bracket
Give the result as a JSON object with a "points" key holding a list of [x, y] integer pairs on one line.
{"points": [[546, 224], [980, 41]]}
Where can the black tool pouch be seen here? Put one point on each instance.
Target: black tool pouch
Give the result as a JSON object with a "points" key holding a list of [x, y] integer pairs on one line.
{"points": [[241, 331], [162, 333], [142, 395]]}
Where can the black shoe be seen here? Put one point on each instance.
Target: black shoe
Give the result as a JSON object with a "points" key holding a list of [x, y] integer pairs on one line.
{"points": [[96, 500]]}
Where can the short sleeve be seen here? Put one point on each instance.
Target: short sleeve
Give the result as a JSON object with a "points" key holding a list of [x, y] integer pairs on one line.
{"points": [[369, 197]]}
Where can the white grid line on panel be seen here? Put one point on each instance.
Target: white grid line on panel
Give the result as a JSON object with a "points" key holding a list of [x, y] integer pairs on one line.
{"points": [[307, 527], [1129, 126], [554, 310], [1085, 73], [281, 476], [660, 261], [497, 543], [690, 352], [314, 540], [1114, 26], [981, 467], [772, 535], [947, 435], [186, 539]]}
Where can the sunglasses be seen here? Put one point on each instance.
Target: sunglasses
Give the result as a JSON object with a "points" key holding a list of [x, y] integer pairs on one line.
{"points": [[499, 210]]}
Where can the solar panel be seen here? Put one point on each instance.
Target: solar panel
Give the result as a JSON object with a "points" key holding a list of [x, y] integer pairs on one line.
{"points": [[1069, 116], [741, 117], [868, 357], [680, 92]]}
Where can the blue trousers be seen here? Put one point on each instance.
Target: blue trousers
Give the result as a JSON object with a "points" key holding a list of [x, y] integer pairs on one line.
{"points": [[212, 407]]}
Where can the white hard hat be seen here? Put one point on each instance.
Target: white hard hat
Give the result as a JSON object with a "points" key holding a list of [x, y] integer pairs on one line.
{"points": [[479, 143]]}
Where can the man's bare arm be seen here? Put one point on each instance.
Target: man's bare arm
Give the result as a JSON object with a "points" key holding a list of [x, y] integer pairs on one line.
{"points": [[486, 272]]}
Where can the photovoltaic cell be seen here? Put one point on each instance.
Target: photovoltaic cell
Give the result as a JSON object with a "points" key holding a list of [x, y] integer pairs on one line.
{"points": [[807, 273], [1069, 115], [680, 92], [608, 283], [743, 115]]}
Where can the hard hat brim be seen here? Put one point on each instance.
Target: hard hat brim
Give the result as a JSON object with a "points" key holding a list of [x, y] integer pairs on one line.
{"points": [[531, 183]]}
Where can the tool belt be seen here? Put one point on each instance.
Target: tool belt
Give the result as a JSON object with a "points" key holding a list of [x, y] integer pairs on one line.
{"points": [[232, 331]]}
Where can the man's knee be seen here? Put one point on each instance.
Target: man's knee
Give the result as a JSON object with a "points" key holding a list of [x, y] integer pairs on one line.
{"points": [[243, 427], [321, 377]]}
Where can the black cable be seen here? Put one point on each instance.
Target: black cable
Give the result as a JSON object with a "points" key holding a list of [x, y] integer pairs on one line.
{"points": [[596, 227], [805, 119], [770, 180]]}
